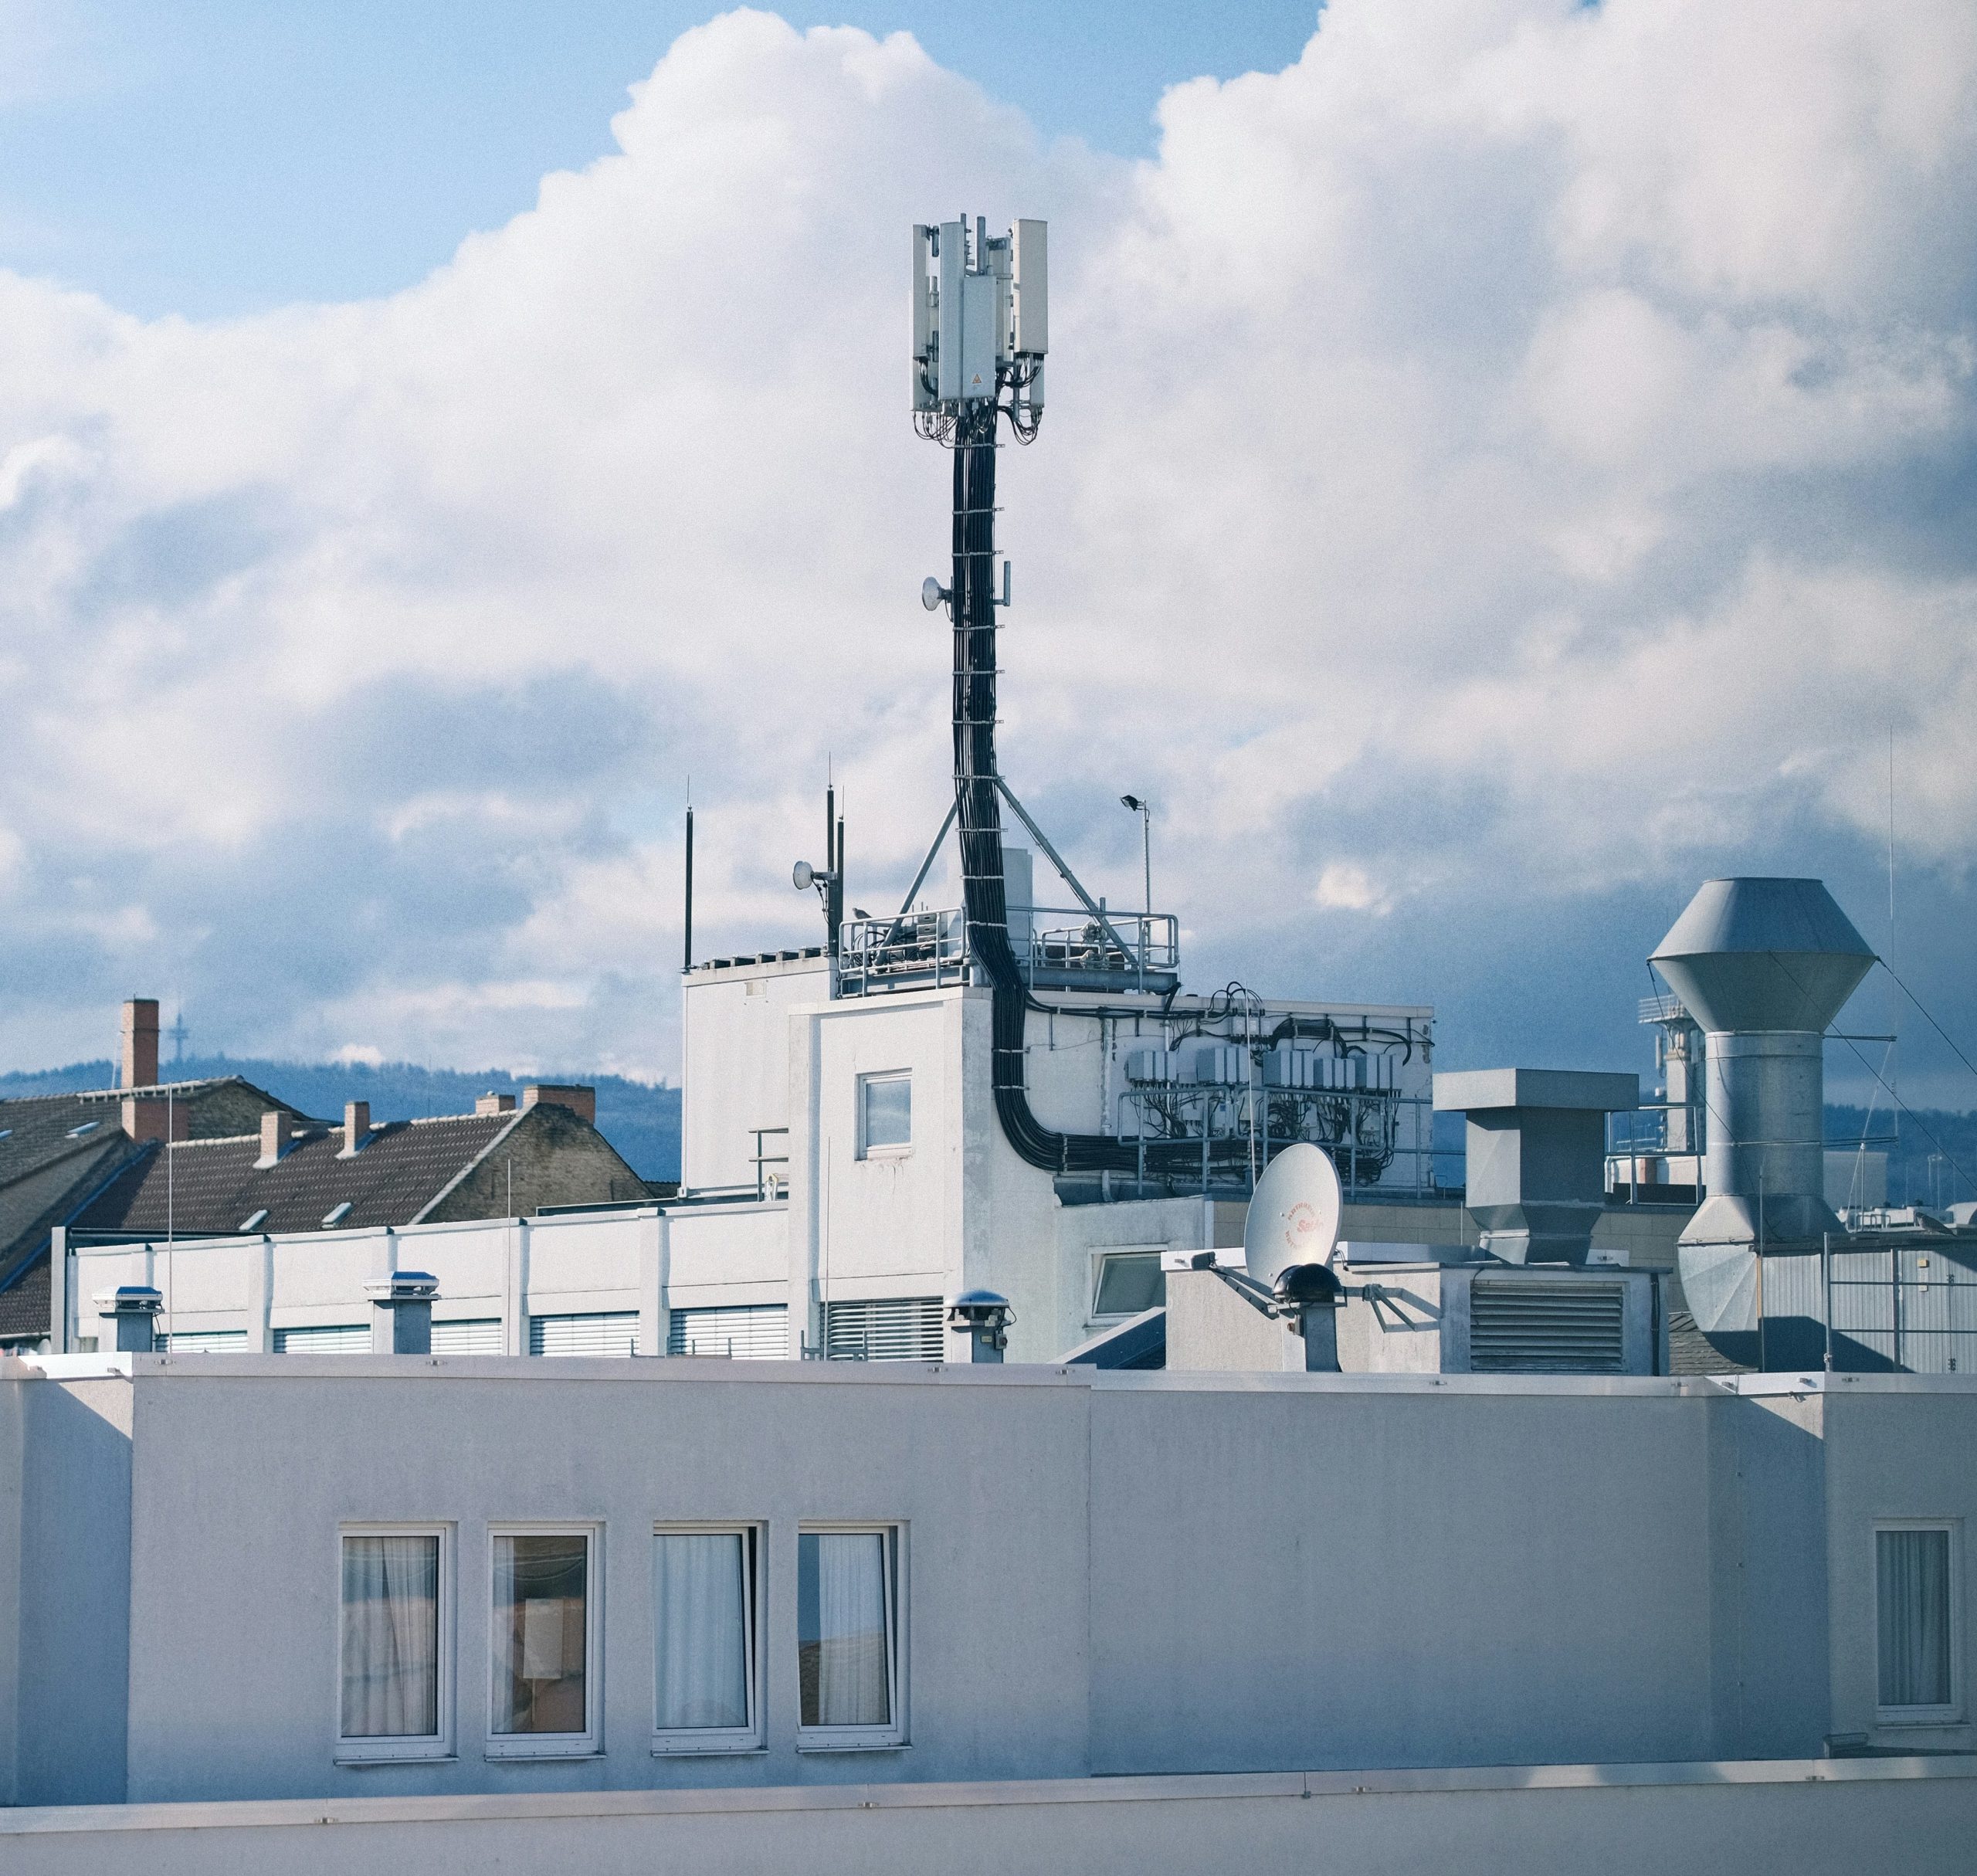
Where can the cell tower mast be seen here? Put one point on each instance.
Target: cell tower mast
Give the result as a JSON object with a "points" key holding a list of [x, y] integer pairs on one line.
{"points": [[980, 334]]}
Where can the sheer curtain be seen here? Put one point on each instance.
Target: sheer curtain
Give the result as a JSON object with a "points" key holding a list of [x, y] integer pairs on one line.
{"points": [[843, 1624], [390, 1637], [1914, 1652], [700, 1611]]}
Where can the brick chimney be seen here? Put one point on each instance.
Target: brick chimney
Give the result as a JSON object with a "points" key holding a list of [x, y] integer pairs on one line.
{"points": [[494, 1104], [140, 1041], [356, 1126], [148, 1120], [274, 1137], [581, 1101]]}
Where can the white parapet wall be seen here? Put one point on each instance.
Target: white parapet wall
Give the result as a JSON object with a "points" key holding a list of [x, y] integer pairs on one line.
{"points": [[1812, 1817]]}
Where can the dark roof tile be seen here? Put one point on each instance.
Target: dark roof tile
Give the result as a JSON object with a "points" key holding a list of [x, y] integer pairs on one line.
{"points": [[207, 1188]]}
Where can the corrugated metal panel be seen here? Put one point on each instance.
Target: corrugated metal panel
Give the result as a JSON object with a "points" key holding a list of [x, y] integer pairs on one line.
{"points": [[613, 1333], [1536, 1326], [753, 1332], [482, 1336], [203, 1341], [335, 1338], [893, 1328], [1909, 1307]]}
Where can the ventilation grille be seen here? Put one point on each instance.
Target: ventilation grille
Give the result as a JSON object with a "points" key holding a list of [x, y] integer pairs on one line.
{"points": [[756, 1332], [1529, 1326], [613, 1333], [481, 1336], [904, 1328], [333, 1339]]}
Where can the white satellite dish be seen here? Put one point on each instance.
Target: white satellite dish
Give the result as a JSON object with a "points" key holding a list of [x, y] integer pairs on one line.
{"points": [[1294, 1214]]}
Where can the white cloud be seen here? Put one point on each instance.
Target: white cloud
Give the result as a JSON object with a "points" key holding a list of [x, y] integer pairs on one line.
{"points": [[1345, 887], [1518, 441]]}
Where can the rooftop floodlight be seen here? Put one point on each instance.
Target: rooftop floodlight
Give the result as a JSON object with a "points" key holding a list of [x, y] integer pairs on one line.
{"points": [[1144, 810]]}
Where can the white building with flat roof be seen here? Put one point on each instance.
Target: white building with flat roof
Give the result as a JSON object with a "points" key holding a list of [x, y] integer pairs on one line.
{"points": [[482, 1595]]}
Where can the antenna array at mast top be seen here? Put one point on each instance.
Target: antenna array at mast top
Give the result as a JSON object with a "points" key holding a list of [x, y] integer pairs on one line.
{"points": [[980, 324]]}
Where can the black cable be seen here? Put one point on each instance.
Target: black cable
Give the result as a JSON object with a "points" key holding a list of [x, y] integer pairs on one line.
{"points": [[978, 824]]}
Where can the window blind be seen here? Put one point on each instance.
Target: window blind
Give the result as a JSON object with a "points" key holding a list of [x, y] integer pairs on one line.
{"points": [[904, 1328], [613, 1332], [752, 1332], [333, 1339]]}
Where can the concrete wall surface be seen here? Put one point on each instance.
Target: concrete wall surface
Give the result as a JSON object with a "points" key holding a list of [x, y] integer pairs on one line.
{"points": [[1101, 1573], [1812, 1817]]}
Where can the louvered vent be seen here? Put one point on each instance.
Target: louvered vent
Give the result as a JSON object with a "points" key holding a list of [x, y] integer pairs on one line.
{"points": [[756, 1332], [904, 1328], [612, 1334], [1534, 1326], [479, 1336]]}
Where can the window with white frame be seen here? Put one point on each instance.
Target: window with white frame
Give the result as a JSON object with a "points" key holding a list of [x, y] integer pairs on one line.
{"points": [[543, 1625], [850, 1638], [885, 1113], [395, 1667], [1127, 1282], [1917, 1629], [705, 1693]]}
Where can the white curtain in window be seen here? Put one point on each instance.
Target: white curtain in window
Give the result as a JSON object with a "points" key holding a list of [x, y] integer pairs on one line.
{"points": [[851, 1630], [699, 1602], [390, 1637], [1914, 1652]]}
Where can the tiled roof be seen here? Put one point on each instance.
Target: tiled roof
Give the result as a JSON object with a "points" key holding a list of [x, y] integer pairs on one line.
{"points": [[205, 1188], [38, 1130], [1689, 1353], [24, 1308]]}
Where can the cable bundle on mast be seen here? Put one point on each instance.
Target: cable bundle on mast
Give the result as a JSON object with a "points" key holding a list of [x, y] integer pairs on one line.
{"points": [[979, 340]]}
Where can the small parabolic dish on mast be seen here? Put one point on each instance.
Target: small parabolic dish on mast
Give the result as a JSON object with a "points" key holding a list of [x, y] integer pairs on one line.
{"points": [[1294, 1214]]}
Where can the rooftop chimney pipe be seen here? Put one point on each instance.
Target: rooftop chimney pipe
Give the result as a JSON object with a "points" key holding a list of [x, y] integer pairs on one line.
{"points": [[139, 1064]]}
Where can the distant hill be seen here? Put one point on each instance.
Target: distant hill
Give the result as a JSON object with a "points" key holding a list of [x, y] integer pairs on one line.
{"points": [[1921, 1170], [641, 1121]]}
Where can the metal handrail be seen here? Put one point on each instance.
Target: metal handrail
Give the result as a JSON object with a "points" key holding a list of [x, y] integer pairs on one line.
{"points": [[918, 945]]}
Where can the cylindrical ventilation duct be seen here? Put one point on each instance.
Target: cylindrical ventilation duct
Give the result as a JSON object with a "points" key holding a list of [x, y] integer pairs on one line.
{"points": [[1762, 966], [1763, 1092]]}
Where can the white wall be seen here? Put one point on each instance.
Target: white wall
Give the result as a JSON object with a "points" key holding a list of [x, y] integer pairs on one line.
{"points": [[1117, 1574], [735, 1050], [1814, 1818]]}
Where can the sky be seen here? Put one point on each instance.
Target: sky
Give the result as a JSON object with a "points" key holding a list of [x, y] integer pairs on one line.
{"points": [[1507, 461]]}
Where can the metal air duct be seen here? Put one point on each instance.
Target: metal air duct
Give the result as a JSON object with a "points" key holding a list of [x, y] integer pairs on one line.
{"points": [[1763, 966]]}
